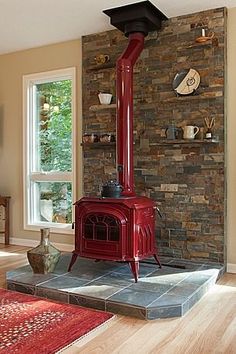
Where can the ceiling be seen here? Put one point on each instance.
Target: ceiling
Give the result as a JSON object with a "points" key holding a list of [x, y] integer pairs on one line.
{"points": [[26, 24]]}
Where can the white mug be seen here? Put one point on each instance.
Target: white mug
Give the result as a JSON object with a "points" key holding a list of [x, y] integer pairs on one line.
{"points": [[190, 131], [105, 98]]}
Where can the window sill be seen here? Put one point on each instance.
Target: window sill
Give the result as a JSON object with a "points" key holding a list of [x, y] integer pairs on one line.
{"points": [[54, 229]]}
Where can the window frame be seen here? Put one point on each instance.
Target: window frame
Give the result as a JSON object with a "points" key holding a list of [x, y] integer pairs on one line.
{"points": [[29, 175]]}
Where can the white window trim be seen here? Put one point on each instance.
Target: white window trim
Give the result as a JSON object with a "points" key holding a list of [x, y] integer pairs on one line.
{"points": [[28, 81]]}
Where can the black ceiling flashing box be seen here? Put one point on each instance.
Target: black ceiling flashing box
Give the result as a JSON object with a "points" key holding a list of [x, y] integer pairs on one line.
{"points": [[138, 17]]}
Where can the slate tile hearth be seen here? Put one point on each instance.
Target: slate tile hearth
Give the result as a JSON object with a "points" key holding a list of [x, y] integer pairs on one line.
{"points": [[109, 286]]}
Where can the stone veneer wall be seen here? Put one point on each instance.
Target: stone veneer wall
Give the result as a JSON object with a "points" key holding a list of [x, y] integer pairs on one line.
{"points": [[186, 179]]}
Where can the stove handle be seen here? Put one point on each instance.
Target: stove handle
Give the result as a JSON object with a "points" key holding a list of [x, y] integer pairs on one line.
{"points": [[158, 211]]}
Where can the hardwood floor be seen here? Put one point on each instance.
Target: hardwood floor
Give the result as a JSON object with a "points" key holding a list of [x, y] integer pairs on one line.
{"points": [[11, 257], [210, 327]]}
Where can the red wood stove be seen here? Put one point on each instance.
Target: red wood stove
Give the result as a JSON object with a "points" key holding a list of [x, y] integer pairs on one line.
{"points": [[121, 229]]}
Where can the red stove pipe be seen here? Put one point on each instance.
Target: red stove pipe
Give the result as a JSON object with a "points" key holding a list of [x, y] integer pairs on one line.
{"points": [[124, 120]]}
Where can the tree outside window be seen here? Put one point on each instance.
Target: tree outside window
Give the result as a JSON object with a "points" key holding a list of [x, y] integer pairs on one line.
{"points": [[49, 149]]}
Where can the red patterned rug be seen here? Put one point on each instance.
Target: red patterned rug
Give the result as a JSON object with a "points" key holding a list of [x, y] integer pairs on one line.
{"points": [[32, 325]]}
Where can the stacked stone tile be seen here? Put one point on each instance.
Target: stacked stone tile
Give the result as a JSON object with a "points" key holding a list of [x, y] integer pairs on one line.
{"points": [[187, 180]]}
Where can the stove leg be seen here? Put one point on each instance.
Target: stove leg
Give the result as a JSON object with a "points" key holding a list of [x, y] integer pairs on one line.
{"points": [[157, 260], [73, 259], [134, 265]]}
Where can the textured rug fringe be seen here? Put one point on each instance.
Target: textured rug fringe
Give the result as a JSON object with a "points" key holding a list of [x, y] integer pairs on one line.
{"points": [[85, 337]]}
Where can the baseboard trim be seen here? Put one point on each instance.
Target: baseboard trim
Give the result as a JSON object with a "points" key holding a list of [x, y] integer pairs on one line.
{"points": [[231, 267], [33, 243]]}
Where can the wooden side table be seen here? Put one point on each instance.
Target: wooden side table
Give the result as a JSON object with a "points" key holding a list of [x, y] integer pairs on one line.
{"points": [[4, 218]]}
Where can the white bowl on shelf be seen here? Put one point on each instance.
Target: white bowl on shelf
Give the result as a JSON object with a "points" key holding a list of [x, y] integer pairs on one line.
{"points": [[105, 98]]}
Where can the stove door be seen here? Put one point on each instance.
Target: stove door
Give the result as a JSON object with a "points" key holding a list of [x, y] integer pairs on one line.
{"points": [[102, 233]]}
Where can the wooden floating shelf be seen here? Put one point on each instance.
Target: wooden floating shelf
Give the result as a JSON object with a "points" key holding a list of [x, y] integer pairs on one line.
{"points": [[98, 144], [198, 45], [159, 143], [213, 42], [101, 107], [208, 43], [100, 67], [191, 98], [175, 99], [184, 141]]}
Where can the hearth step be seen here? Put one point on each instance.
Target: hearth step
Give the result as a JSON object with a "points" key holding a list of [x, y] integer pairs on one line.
{"points": [[109, 286]]}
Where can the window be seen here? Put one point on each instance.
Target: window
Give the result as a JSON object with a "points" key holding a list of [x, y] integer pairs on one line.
{"points": [[49, 139]]}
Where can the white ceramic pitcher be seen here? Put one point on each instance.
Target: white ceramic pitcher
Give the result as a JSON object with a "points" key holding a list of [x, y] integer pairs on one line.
{"points": [[190, 131]]}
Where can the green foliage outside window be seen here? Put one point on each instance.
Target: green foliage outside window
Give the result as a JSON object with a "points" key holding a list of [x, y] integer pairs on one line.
{"points": [[55, 125], [55, 141]]}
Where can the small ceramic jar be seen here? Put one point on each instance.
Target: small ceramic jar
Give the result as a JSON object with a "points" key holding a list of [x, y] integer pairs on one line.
{"points": [[90, 138], [105, 138]]}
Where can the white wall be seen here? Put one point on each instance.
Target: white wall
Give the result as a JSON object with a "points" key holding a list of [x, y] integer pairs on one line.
{"points": [[12, 68]]}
